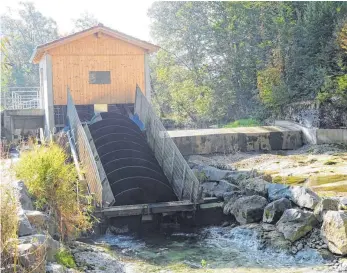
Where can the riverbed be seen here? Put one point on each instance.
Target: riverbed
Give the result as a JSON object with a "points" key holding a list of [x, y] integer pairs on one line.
{"points": [[212, 249]]}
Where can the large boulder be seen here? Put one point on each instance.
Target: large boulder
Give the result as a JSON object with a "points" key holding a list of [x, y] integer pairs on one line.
{"points": [[24, 226], [24, 196], [334, 231], [249, 209], [255, 186], [32, 257], [274, 210], [55, 268], [296, 223], [37, 219], [304, 197], [43, 241], [278, 191], [301, 196], [230, 199], [217, 189], [325, 205]]}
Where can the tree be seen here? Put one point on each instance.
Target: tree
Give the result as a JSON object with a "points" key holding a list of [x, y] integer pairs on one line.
{"points": [[255, 57], [86, 20], [24, 30]]}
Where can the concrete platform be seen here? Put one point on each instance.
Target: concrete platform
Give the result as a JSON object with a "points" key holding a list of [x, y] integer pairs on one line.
{"points": [[229, 140]]}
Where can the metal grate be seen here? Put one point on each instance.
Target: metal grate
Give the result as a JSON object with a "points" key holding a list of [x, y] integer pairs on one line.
{"points": [[183, 181], [84, 151]]}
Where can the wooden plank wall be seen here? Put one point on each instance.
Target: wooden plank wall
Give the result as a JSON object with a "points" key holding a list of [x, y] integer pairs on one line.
{"points": [[72, 62]]}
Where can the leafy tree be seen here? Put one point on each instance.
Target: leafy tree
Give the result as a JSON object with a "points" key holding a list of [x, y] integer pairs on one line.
{"points": [[256, 57], [86, 20], [24, 30]]}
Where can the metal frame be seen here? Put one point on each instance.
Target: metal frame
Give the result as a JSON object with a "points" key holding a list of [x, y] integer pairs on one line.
{"points": [[183, 181], [84, 152], [17, 98]]}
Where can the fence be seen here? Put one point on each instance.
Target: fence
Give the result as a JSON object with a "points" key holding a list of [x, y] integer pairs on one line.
{"points": [[22, 98], [84, 151], [183, 181]]}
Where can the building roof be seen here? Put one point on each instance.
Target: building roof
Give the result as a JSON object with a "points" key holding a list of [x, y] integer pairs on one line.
{"points": [[41, 49]]}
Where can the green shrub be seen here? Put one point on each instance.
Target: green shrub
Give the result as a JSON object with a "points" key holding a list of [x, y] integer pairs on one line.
{"points": [[53, 183], [242, 123], [65, 258]]}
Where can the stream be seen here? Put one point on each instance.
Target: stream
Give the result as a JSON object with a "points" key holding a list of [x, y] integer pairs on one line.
{"points": [[212, 249]]}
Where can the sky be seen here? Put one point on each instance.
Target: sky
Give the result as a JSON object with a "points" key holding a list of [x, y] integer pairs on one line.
{"points": [[128, 16]]}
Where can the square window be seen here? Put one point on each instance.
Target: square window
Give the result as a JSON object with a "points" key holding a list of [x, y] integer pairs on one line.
{"points": [[99, 77]]}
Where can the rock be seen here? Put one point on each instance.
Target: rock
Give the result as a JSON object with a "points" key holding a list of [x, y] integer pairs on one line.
{"points": [[249, 209], [255, 186], [230, 203], [276, 240], [95, 257], [296, 223], [218, 189], [37, 218], [55, 268], [24, 226], [46, 242], [278, 191], [334, 231], [24, 196], [32, 257], [208, 173], [301, 196], [274, 210], [227, 196], [324, 205], [304, 197]]}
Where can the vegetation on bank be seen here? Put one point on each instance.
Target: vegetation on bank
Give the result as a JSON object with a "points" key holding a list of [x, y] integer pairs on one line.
{"points": [[8, 224], [65, 258], [242, 123], [224, 61], [53, 182]]}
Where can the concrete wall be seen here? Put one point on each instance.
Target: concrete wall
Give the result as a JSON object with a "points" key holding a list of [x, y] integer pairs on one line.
{"points": [[315, 135], [331, 136], [21, 122], [209, 141]]}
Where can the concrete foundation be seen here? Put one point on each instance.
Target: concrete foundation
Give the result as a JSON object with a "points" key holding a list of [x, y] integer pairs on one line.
{"points": [[22, 122], [229, 140]]}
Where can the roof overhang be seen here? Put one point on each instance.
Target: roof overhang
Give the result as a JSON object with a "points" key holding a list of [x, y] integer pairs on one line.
{"points": [[40, 50]]}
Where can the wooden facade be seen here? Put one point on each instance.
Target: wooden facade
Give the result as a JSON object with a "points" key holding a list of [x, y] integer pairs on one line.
{"points": [[72, 62]]}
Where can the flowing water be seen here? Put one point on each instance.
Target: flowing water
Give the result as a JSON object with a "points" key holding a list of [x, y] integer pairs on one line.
{"points": [[213, 249]]}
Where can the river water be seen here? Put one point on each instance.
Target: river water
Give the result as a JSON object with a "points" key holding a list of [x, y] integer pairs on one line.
{"points": [[212, 249]]}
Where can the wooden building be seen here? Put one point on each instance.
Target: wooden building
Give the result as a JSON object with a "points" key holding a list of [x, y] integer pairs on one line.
{"points": [[101, 67]]}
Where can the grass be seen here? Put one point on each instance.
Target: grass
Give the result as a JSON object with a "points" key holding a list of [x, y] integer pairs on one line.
{"points": [[330, 162], [289, 180], [65, 258], [325, 179], [8, 224], [242, 123]]}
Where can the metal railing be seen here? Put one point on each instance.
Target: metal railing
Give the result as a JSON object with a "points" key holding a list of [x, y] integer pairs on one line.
{"points": [[84, 151], [183, 181], [16, 98]]}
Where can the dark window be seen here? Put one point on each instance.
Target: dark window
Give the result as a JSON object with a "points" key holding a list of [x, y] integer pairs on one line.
{"points": [[99, 77]]}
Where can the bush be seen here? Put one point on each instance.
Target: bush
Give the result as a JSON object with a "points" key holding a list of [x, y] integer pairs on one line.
{"points": [[65, 258], [53, 183], [8, 223]]}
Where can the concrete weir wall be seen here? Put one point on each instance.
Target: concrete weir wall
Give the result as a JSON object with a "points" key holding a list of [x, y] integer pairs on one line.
{"points": [[228, 140], [315, 135]]}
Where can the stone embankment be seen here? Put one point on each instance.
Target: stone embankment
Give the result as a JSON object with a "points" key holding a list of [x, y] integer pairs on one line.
{"points": [[291, 217]]}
